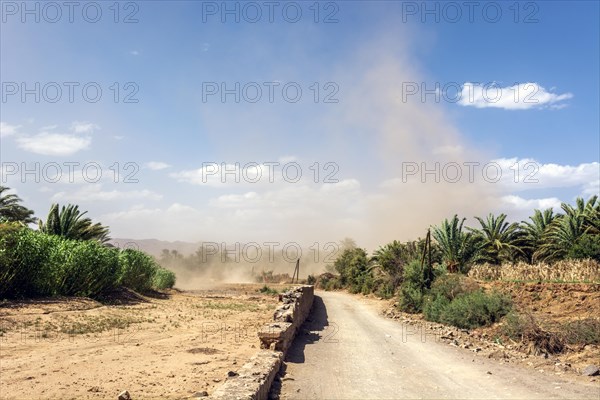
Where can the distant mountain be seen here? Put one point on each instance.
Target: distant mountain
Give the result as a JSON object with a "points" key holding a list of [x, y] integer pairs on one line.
{"points": [[155, 246]]}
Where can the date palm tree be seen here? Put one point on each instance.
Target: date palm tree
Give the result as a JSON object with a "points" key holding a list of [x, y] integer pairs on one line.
{"points": [[534, 231], [11, 210], [458, 247], [567, 229], [498, 240], [70, 223]]}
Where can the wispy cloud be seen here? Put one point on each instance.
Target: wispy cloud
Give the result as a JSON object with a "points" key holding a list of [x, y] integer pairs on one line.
{"points": [[7, 129], [84, 127], [48, 141], [54, 144], [90, 193], [522, 96], [157, 165]]}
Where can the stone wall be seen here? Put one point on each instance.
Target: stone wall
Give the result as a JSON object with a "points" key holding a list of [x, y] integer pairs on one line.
{"points": [[253, 381], [288, 318]]}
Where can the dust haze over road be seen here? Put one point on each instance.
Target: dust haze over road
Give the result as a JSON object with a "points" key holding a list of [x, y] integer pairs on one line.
{"points": [[349, 351]]}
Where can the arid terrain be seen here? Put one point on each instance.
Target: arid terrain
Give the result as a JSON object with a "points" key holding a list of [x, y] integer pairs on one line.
{"points": [[166, 346], [348, 350]]}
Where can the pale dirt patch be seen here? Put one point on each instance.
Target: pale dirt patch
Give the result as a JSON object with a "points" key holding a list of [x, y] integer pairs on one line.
{"points": [[167, 346]]}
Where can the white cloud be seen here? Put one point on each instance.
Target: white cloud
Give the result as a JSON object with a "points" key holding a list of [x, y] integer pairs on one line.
{"points": [[84, 127], [527, 173], [517, 97], [220, 175], [134, 52], [522, 204], [90, 193], [156, 165], [7, 129], [54, 144]]}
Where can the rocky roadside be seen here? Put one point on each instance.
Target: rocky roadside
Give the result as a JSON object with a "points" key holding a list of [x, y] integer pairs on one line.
{"points": [[482, 344]]}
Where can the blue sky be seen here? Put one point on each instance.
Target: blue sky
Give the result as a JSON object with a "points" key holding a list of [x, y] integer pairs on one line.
{"points": [[365, 134]]}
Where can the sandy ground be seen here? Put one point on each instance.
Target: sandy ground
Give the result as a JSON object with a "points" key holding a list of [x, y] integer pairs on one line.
{"points": [[169, 346], [348, 350]]}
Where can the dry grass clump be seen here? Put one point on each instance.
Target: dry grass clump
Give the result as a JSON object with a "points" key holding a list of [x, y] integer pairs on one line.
{"points": [[562, 271]]}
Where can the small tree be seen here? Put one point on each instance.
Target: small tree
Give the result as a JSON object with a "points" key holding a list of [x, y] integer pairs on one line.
{"points": [[11, 210]]}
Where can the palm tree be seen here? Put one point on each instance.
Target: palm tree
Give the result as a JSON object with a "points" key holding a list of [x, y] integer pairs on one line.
{"points": [[498, 239], [458, 248], [390, 259], [534, 231], [12, 211], [566, 230], [70, 223]]}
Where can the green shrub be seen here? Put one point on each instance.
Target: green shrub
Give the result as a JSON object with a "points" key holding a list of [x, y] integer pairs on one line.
{"points": [[267, 290], [137, 270], [385, 290], [412, 289], [163, 279], [25, 262], [474, 309], [84, 268], [587, 246], [434, 306], [311, 280], [352, 265]]}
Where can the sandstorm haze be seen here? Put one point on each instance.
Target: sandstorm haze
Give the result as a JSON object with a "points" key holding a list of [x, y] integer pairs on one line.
{"points": [[355, 123]]}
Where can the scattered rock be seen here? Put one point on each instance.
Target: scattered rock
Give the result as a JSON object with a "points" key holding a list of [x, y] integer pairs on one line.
{"points": [[94, 389], [591, 370], [124, 395], [489, 373], [232, 373], [204, 393]]}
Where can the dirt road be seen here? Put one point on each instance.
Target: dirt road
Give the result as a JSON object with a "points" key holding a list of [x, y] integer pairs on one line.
{"points": [[349, 351]]}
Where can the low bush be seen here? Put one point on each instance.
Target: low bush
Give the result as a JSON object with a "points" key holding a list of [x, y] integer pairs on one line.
{"points": [[525, 328], [163, 279], [26, 265], [84, 268], [413, 289], [137, 270], [581, 331], [475, 309]]}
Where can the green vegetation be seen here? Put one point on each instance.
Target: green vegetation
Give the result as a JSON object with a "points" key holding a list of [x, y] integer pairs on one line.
{"points": [[11, 210], [268, 290], [70, 224], [398, 269], [67, 256]]}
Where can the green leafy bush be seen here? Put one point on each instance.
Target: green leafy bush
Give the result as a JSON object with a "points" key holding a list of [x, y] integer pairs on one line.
{"points": [[473, 309], [163, 278], [352, 265], [84, 268], [137, 270], [25, 262], [413, 288]]}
